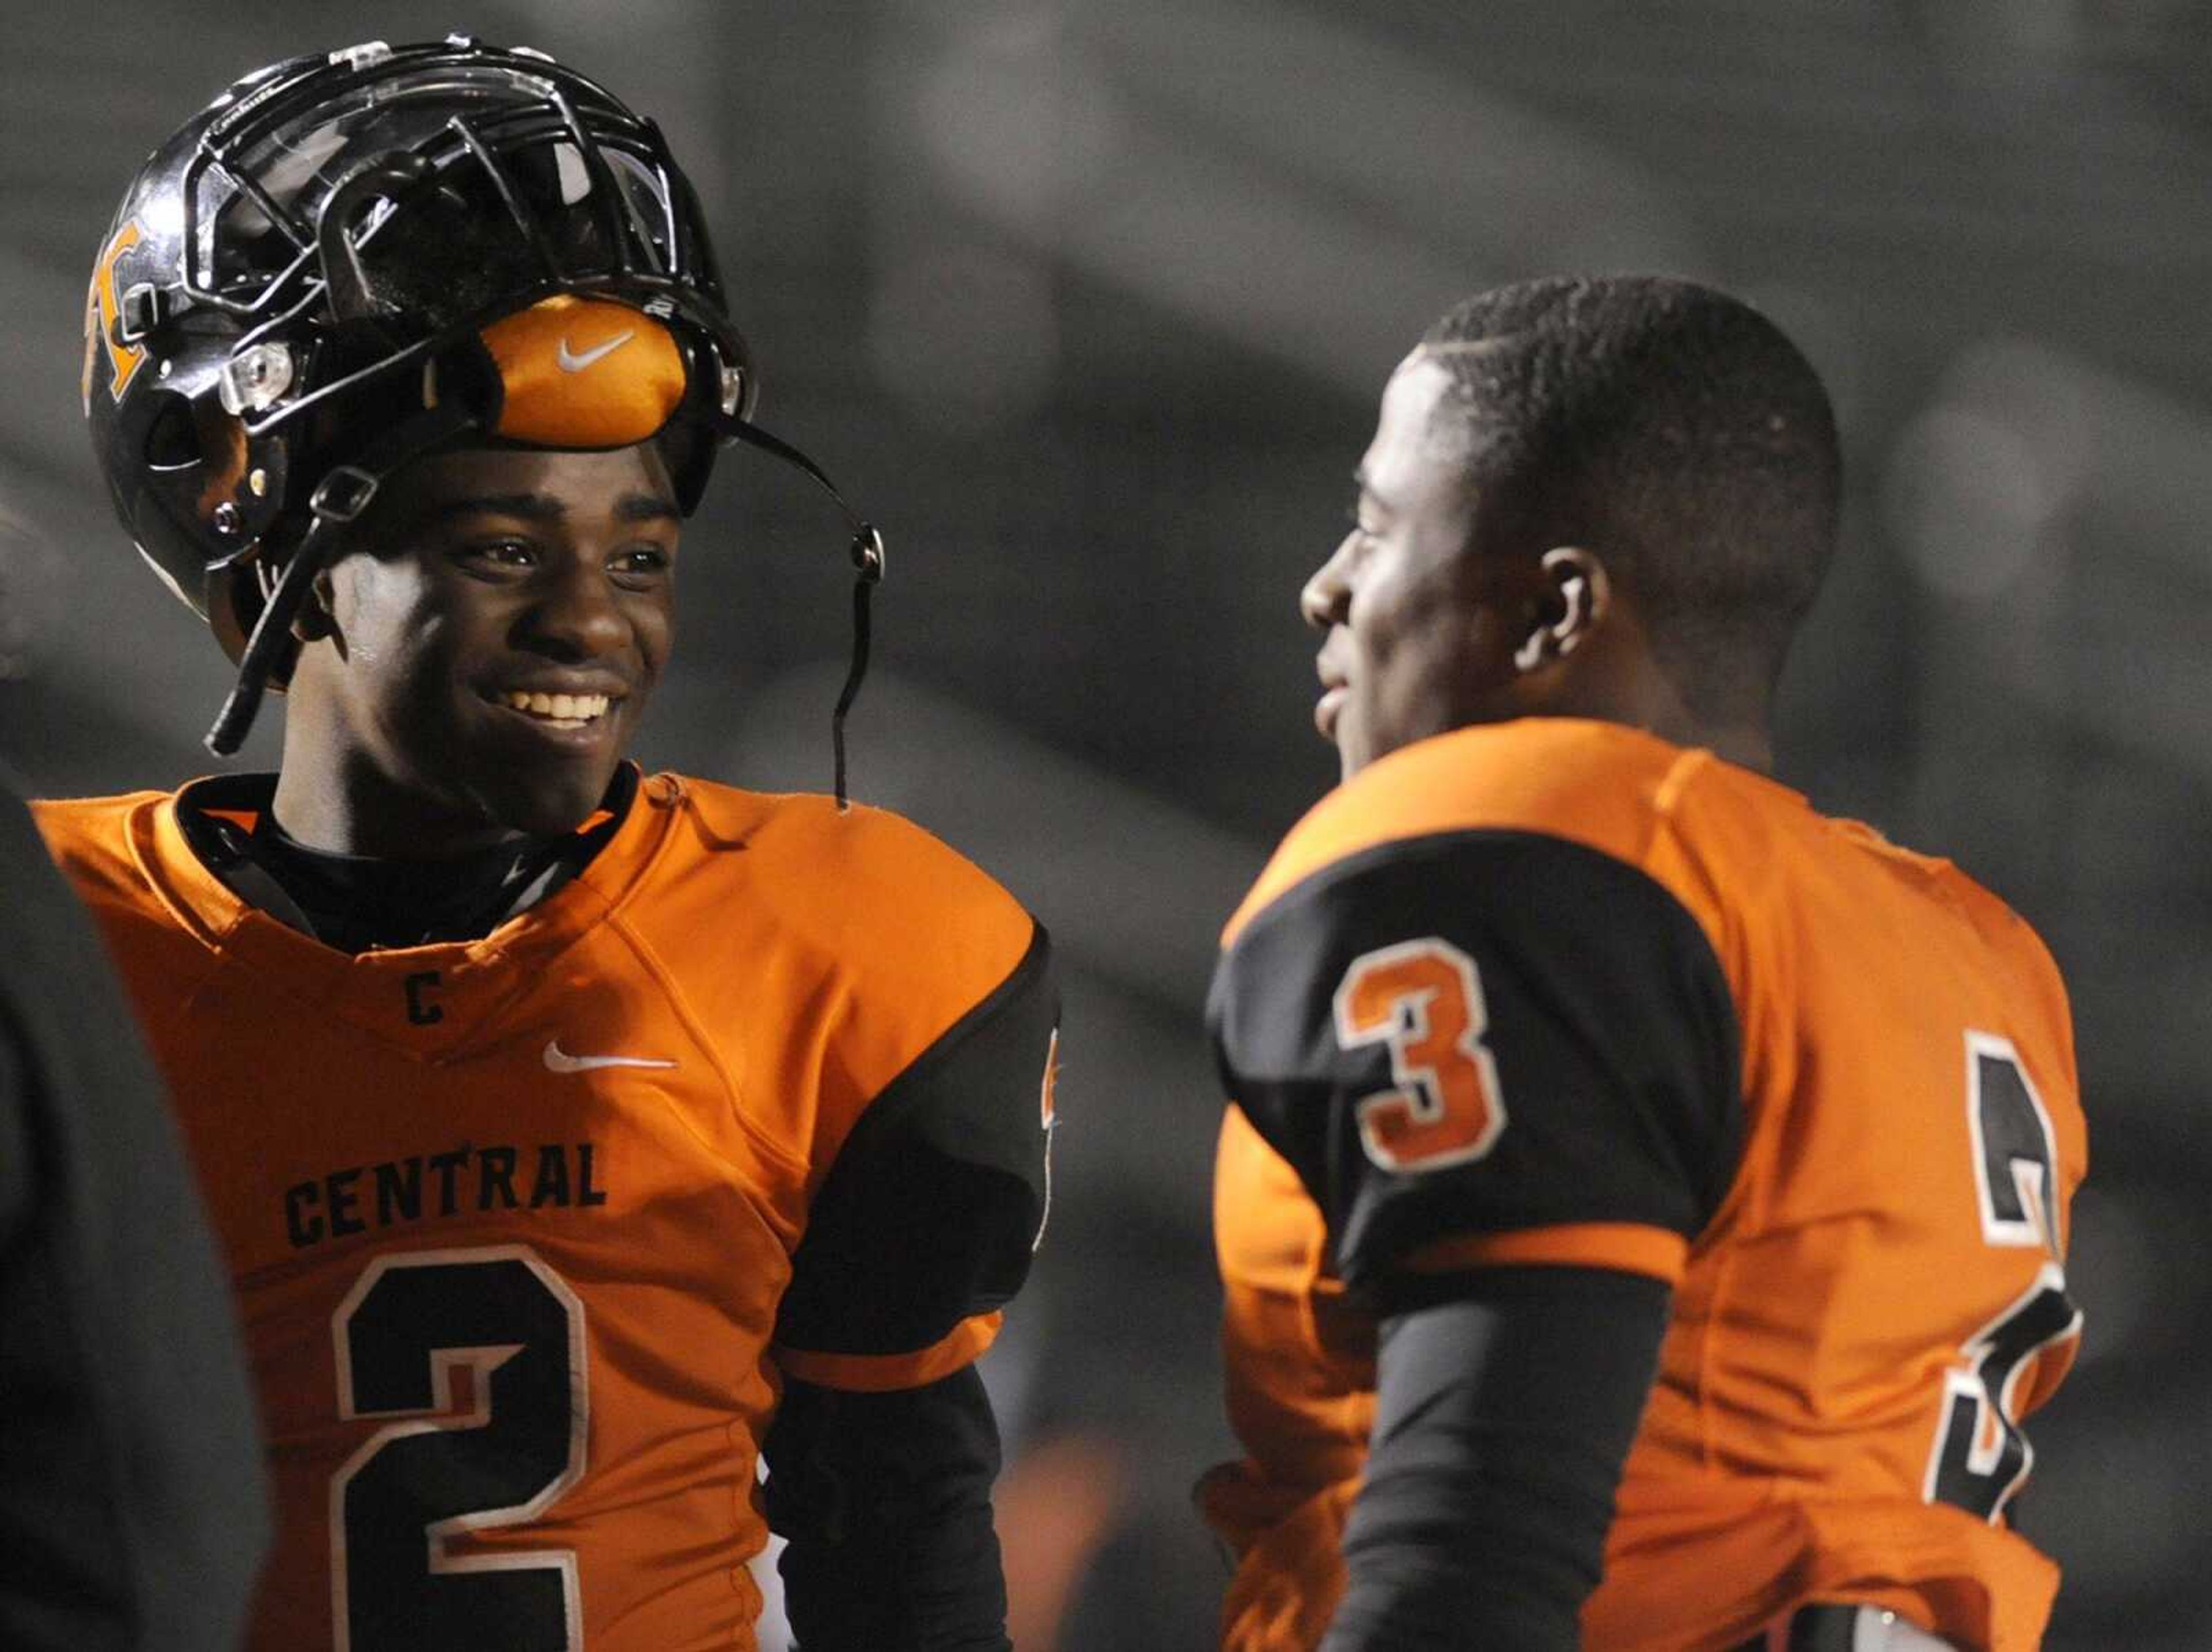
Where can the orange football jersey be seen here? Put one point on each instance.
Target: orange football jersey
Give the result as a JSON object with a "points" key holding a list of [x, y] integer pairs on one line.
{"points": [[524, 1229], [1556, 992]]}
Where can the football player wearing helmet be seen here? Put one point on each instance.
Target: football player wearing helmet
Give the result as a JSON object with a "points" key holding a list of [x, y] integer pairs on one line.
{"points": [[578, 1139], [1642, 1206]]}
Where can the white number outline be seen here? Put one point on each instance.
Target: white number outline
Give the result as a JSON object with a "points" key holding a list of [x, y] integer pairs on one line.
{"points": [[481, 1362], [2039, 1227], [1972, 1385]]}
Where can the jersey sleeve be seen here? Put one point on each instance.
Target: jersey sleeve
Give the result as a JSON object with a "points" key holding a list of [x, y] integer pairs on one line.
{"points": [[1485, 1048], [925, 1224]]}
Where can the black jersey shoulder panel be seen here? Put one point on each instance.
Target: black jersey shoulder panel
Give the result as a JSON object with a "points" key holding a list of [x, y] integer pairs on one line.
{"points": [[1611, 1024], [931, 1211]]}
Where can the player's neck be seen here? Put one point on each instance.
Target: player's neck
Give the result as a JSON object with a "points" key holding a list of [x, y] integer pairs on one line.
{"points": [[1640, 696], [1747, 746], [1741, 735], [352, 808], [1747, 741]]}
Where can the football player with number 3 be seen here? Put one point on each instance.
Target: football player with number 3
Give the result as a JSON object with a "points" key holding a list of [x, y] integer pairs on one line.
{"points": [[1642, 1206], [577, 1139]]}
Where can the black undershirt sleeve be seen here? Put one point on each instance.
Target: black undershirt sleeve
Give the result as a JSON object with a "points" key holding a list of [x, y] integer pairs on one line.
{"points": [[929, 1217], [1505, 1403], [885, 1499]]}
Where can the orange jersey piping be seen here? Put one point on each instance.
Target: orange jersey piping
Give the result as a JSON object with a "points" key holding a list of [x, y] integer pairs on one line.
{"points": [[882, 1373], [1624, 1247]]}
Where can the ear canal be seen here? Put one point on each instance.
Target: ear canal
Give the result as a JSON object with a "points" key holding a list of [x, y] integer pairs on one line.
{"points": [[1583, 592], [1574, 602]]}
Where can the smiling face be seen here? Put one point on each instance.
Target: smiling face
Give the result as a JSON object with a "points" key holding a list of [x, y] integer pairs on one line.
{"points": [[481, 658], [1420, 628]]}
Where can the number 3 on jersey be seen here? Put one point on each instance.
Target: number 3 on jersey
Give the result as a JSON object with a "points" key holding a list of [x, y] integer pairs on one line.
{"points": [[1423, 998], [1980, 1457]]}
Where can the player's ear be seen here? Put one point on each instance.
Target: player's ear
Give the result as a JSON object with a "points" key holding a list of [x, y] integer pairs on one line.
{"points": [[1575, 593], [318, 616]]}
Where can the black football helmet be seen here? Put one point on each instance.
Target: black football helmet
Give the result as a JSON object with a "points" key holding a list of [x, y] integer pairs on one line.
{"points": [[349, 259]]}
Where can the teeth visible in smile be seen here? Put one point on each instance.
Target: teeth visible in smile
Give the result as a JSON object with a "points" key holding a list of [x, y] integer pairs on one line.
{"points": [[574, 710]]}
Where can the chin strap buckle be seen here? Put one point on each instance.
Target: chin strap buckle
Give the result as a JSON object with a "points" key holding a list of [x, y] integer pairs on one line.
{"points": [[343, 493]]}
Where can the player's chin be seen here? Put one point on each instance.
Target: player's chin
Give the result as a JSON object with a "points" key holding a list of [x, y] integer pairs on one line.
{"points": [[543, 790], [547, 777], [1349, 734], [545, 800]]}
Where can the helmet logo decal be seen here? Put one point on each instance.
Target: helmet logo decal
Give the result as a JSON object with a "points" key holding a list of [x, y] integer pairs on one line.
{"points": [[571, 362], [101, 309]]}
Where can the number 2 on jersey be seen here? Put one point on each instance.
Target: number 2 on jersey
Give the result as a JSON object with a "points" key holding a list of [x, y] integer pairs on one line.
{"points": [[1423, 999], [1981, 1457], [408, 1325]]}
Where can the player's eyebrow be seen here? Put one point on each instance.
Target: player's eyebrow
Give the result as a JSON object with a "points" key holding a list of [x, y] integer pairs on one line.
{"points": [[544, 507], [646, 508], [530, 506], [1365, 483]]}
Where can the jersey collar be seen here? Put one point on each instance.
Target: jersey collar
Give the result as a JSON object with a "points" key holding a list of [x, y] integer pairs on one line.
{"points": [[457, 986]]}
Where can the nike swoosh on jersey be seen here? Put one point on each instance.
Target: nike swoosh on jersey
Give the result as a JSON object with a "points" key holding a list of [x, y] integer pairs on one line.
{"points": [[571, 362], [559, 1060]]}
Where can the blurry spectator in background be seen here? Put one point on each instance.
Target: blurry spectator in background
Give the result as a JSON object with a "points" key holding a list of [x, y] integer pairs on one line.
{"points": [[1566, 1047], [132, 1509], [1103, 1550]]}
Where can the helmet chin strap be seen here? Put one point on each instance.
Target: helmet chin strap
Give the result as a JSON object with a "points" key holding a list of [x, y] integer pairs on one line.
{"points": [[343, 495], [347, 489]]}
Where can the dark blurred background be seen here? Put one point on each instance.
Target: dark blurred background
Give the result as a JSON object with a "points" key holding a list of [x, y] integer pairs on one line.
{"points": [[1090, 304]]}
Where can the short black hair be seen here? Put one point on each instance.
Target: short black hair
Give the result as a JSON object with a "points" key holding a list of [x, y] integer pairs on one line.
{"points": [[1672, 431]]}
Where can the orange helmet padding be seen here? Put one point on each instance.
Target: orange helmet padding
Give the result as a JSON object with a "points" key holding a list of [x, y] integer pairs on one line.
{"points": [[584, 373]]}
